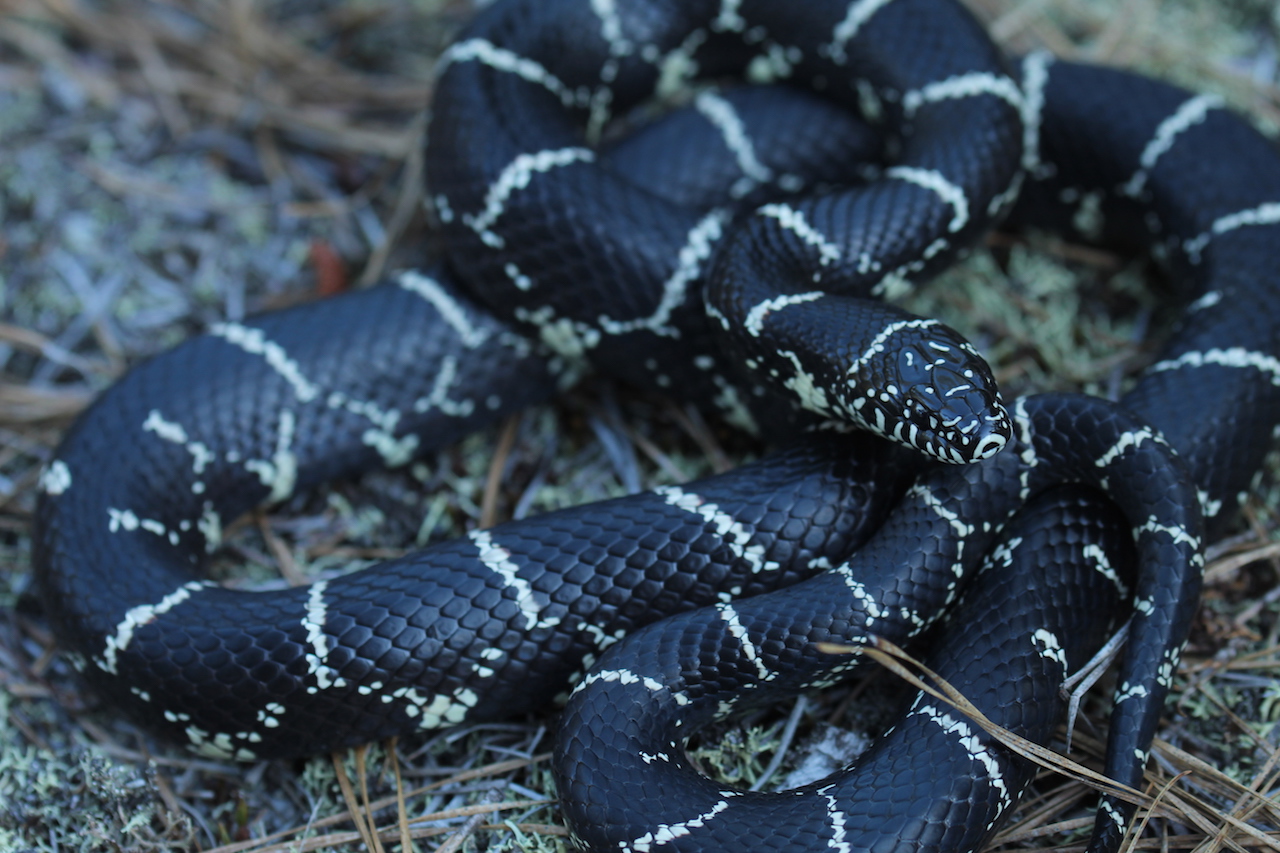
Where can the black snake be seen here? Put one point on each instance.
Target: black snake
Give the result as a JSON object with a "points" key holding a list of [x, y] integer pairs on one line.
{"points": [[583, 250]]}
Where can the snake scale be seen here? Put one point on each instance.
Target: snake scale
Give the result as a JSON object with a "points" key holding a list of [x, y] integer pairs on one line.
{"points": [[881, 138]]}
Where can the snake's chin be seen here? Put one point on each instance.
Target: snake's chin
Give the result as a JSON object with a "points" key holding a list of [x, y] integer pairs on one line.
{"points": [[961, 450]]}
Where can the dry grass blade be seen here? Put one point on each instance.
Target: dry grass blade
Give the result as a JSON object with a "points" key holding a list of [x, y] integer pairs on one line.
{"points": [[336, 839], [915, 673], [1227, 566], [1178, 806], [460, 837], [23, 404], [356, 811], [493, 482], [402, 812]]}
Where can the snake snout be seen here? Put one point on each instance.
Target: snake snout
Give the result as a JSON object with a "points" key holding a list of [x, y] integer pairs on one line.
{"points": [[954, 405]]}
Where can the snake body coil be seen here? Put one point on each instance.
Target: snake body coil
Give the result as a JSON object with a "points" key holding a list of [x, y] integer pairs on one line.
{"points": [[578, 250]]}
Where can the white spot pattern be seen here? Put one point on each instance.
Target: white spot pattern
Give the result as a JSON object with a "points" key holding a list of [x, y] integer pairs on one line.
{"points": [[313, 622], [514, 177], [138, 616], [665, 833], [1263, 214], [734, 535], [754, 322], [978, 752], [935, 181], [498, 560], [739, 632], [856, 15], [1189, 114], [55, 479], [794, 220], [1232, 357], [501, 59], [963, 86]]}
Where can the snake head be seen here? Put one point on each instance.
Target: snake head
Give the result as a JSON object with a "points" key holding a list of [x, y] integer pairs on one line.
{"points": [[935, 393]]}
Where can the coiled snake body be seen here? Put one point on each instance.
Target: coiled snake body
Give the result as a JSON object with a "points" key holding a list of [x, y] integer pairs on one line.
{"points": [[733, 289]]}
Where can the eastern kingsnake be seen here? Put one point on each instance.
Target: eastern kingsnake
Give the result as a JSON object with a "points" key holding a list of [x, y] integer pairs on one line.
{"points": [[588, 253]]}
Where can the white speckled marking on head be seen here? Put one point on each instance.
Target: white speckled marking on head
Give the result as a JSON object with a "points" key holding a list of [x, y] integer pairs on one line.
{"points": [[878, 343]]}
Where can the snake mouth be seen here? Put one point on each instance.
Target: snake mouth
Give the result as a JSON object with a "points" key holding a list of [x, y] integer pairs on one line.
{"points": [[985, 436], [989, 446], [955, 446]]}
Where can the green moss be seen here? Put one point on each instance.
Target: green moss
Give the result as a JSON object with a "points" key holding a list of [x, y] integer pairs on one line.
{"points": [[85, 802]]}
